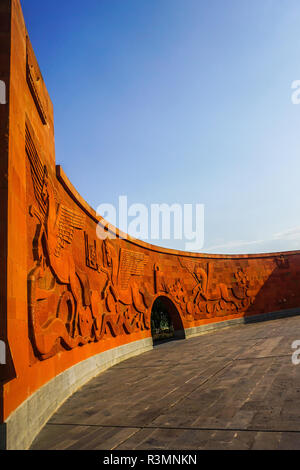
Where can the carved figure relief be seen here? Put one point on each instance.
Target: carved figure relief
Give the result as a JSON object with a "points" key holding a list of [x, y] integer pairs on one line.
{"points": [[122, 287], [63, 309], [70, 306], [54, 266], [217, 299]]}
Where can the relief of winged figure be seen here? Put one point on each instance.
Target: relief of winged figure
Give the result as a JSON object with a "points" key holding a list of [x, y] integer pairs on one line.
{"points": [[57, 224]]}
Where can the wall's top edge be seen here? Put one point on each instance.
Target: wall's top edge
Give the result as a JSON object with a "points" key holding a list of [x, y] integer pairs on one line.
{"points": [[38, 69], [80, 201]]}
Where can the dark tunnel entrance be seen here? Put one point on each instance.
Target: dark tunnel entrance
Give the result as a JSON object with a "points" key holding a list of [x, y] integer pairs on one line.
{"points": [[166, 322]]}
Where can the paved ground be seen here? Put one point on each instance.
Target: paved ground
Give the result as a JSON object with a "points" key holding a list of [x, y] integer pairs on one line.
{"points": [[232, 389]]}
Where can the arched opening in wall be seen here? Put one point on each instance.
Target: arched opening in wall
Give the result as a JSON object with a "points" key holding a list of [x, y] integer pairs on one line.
{"points": [[166, 323]]}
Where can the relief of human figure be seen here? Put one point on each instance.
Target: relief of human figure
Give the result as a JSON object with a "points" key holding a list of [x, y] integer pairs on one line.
{"points": [[209, 299], [53, 258], [134, 298]]}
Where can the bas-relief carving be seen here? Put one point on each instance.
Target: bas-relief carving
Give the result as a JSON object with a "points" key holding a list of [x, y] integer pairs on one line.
{"points": [[63, 309], [209, 298], [110, 292], [91, 253], [124, 286]]}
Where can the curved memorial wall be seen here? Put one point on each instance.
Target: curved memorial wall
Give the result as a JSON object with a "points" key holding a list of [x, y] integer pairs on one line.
{"points": [[72, 304]]}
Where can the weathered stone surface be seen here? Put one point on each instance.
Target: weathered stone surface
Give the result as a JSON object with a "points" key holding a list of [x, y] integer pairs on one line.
{"points": [[66, 295]]}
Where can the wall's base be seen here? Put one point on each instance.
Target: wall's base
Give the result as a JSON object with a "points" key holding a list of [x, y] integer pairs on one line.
{"points": [[23, 425], [21, 428], [199, 330]]}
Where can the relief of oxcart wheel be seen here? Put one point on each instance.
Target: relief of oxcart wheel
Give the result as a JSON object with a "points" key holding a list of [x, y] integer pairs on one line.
{"points": [[66, 310]]}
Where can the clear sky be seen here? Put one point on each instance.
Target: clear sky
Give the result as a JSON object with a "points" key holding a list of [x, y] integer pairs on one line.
{"points": [[180, 101]]}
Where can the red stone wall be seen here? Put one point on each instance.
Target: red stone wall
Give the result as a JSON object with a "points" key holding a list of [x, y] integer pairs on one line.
{"points": [[69, 295], [4, 142]]}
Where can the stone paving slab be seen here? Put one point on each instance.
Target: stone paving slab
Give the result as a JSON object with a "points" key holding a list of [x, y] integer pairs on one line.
{"points": [[230, 389]]}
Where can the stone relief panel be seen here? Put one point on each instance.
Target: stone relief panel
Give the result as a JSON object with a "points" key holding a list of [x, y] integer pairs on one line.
{"points": [[64, 311], [212, 298], [82, 289]]}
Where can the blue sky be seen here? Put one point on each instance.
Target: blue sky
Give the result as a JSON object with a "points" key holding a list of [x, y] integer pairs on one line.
{"points": [[180, 101]]}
